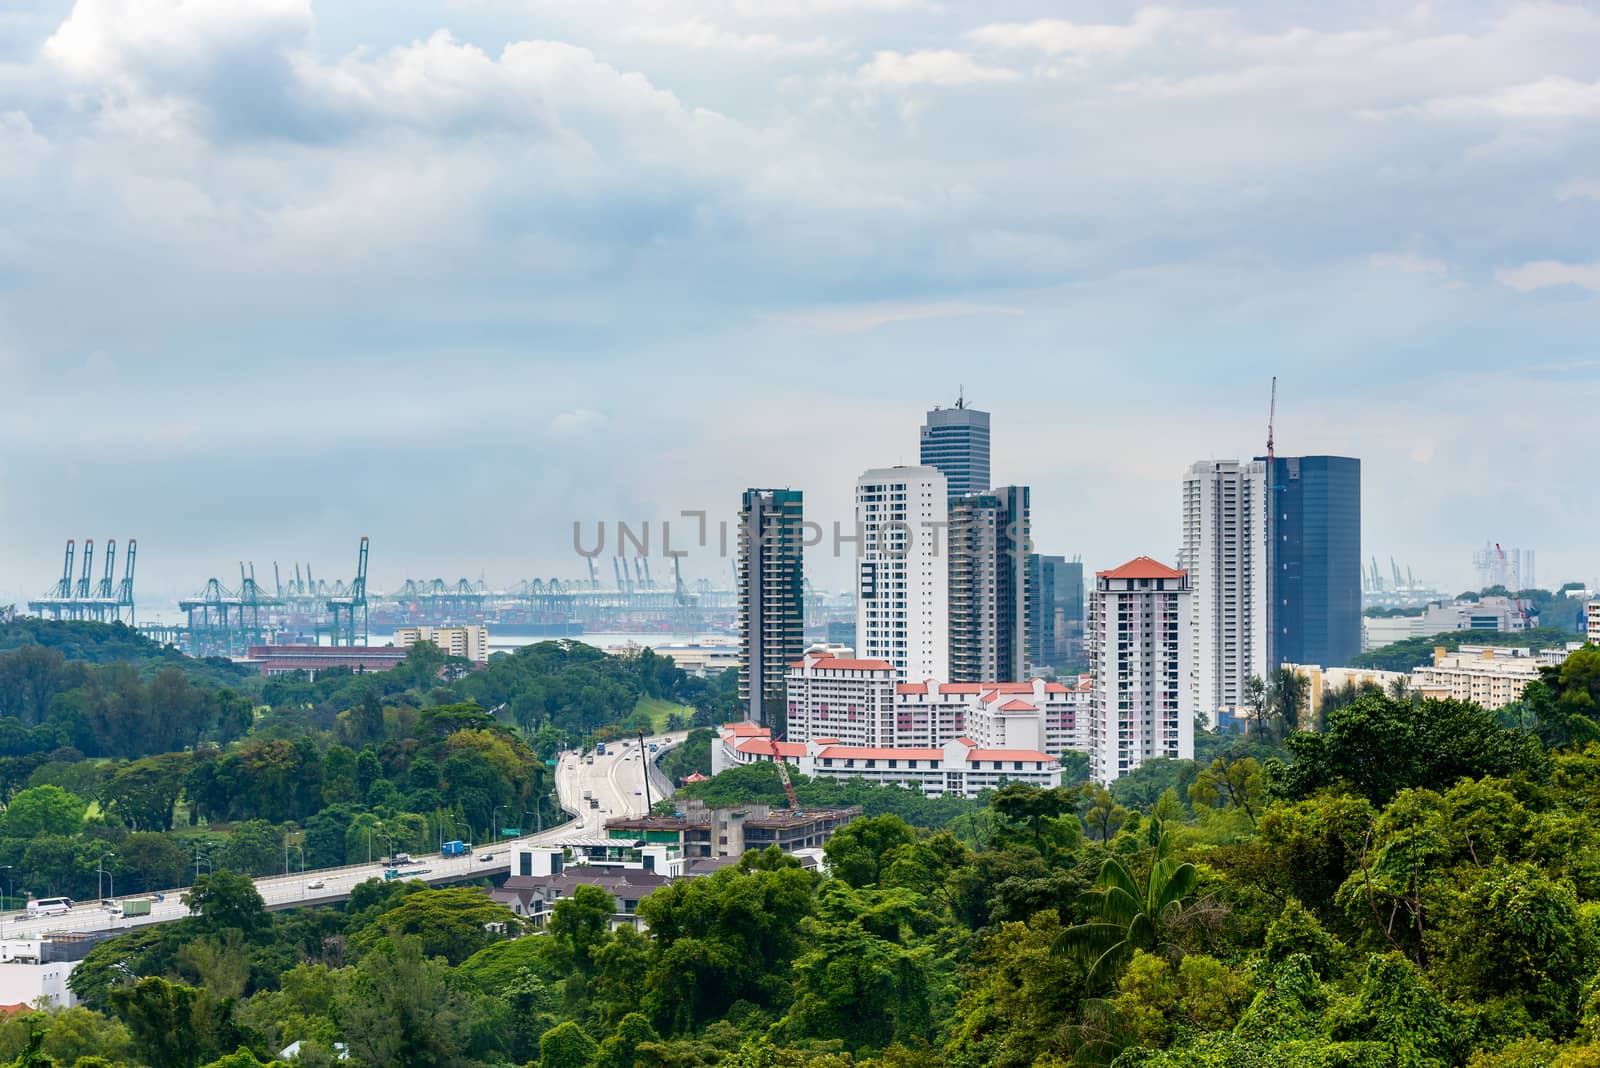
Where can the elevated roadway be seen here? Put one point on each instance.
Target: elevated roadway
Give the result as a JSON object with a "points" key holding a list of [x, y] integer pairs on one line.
{"points": [[615, 780]]}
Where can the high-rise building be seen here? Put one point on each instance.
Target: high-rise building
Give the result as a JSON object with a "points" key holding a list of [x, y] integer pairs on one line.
{"points": [[1142, 706], [1315, 560], [956, 441], [771, 596], [1225, 551], [989, 586], [1055, 614], [902, 571]]}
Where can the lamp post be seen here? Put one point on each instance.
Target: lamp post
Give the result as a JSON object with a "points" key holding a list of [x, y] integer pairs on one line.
{"points": [[7, 869], [494, 818], [100, 883]]}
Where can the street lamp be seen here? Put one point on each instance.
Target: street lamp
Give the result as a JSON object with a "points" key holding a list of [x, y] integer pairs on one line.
{"points": [[100, 883], [7, 869], [494, 818]]}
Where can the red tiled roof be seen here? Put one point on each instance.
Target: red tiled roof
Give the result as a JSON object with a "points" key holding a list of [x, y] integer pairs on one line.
{"points": [[911, 687], [833, 663], [851, 752], [695, 776], [745, 729], [968, 742], [1017, 706], [961, 687], [1141, 567], [1010, 754], [768, 747]]}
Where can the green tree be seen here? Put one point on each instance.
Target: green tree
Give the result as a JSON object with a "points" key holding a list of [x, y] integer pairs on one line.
{"points": [[44, 810], [867, 977], [621, 1048], [1230, 784], [452, 923], [1135, 910], [223, 900], [403, 1009], [856, 849], [566, 1046], [1379, 746]]}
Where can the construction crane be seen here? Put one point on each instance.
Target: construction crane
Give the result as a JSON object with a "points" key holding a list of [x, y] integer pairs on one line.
{"points": [[1272, 417], [1398, 579], [783, 777]]}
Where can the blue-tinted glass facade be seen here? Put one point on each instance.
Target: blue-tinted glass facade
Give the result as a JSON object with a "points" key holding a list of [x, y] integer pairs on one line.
{"points": [[1315, 588], [956, 441]]}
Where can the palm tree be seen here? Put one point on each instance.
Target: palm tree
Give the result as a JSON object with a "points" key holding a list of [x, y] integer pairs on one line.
{"points": [[1134, 912]]}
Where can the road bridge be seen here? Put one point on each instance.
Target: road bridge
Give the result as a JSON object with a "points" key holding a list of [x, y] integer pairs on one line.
{"points": [[616, 780]]}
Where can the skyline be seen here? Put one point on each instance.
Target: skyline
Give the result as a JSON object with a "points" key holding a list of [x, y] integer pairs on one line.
{"points": [[276, 277]]}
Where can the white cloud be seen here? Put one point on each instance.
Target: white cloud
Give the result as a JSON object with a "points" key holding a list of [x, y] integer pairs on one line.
{"points": [[576, 422], [1407, 263], [1058, 37], [935, 67], [130, 40], [861, 318], [1553, 97], [699, 34], [1544, 274], [21, 148]]}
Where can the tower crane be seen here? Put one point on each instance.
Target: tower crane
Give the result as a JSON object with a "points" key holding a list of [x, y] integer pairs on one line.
{"points": [[783, 777]]}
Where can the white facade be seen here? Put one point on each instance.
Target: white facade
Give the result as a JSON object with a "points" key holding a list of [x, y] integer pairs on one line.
{"points": [[1592, 620], [471, 642], [859, 703], [24, 981], [1500, 614], [1225, 543], [902, 572], [1488, 677], [1143, 704], [959, 767]]}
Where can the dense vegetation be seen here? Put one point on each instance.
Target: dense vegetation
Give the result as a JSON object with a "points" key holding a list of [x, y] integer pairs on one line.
{"points": [[119, 754], [1416, 884], [1415, 652]]}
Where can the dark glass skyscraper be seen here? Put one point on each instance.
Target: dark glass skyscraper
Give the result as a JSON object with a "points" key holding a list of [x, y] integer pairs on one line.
{"points": [[1315, 557], [989, 606], [1055, 614], [771, 597], [956, 441]]}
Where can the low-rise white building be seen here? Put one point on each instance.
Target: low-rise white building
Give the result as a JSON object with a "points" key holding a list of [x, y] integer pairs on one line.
{"points": [[1488, 677], [1501, 614], [858, 702], [960, 767], [470, 642]]}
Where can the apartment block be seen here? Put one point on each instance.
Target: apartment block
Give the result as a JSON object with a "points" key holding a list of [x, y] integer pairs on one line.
{"points": [[1226, 552], [771, 595], [469, 642], [903, 575], [1143, 703]]}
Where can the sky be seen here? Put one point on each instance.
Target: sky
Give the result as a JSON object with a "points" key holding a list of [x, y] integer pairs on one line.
{"points": [[277, 274]]}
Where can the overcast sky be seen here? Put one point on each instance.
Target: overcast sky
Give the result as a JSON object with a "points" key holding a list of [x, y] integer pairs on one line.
{"points": [[274, 275]]}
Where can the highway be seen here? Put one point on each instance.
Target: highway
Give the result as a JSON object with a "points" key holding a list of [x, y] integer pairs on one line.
{"points": [[615, 780]]}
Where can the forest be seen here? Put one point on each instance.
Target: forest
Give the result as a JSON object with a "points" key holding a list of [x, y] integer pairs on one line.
{"points": [[1415, 884]]}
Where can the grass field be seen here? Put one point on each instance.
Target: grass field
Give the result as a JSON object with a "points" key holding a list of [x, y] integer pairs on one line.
{"points": [[658, 711]]}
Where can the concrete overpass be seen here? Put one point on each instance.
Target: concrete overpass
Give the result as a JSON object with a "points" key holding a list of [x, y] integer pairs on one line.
{"points": [[616, 780]]}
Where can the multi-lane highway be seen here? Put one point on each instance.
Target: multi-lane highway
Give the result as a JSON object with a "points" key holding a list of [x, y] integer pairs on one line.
{"points": [[616, 780]]}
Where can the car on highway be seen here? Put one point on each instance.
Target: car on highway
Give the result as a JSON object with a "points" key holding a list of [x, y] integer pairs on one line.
{"points": [[486, 857], [49, 906], [315, 884], [113, 907]]}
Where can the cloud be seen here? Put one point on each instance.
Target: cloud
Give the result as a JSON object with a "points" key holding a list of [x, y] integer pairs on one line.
{"points": [[856, 319], [1058, 37], [577, 422], [1579, 191], [1545, 274], [1553, 97], [1407, 263], [937, 67], [698, 34], [21, 148]]}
